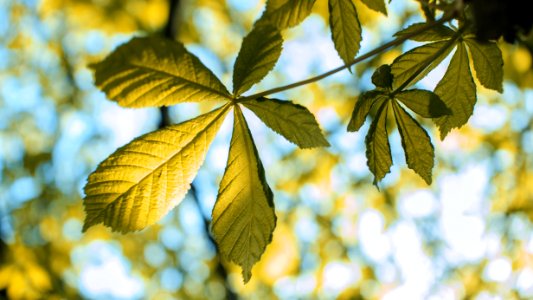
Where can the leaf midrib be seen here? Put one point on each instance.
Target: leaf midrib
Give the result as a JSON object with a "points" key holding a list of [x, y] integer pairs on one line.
{"points": [[222, 112], [399, 112], [248, 147], [275, 113], [473, 44], [225, 94]]}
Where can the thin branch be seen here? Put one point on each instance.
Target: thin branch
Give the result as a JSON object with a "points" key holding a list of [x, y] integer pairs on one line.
{"points": [[219, 267], [170, 32], [359, 59]]}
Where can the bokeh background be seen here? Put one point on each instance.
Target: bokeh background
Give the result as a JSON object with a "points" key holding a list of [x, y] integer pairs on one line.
{"points": [[468, 235]]}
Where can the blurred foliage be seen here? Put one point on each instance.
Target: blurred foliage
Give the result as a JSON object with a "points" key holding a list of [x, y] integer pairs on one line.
{"points": [[468, 235]]}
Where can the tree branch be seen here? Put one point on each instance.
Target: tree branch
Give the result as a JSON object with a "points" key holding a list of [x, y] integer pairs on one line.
{"points": [[359, 59], [169, 31]]}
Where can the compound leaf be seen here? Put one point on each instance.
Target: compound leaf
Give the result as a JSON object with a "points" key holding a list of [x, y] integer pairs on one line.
{"points": [[293, 121], [378, 153], [153, 71], [285, 13], [425, 103], [488, 63], [434, 33], [419, 152], [345, 28], [362, 108], [244, 216], [458, 91], [376, 5], [259, 53], [143, 180], [409, 63]]}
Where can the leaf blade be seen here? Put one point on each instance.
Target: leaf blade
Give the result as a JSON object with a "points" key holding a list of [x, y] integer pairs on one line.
{"points": [[437, 32], [345, 28], [458, 91], [362, 108], [143, 180], [285, 13], [425, 103], [488, 63], [260, 51], [154, 71], [292, 121], [243, 216], [376, 5], [378, 153], [419, 152], [407, 64]]}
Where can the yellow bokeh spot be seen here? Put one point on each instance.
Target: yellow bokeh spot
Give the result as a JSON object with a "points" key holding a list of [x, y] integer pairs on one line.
{"points": [[522, 60], [50, 228], [24, 278], [281, 256]]}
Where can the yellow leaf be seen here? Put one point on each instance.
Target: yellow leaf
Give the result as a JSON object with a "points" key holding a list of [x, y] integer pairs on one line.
{"points": [[362, 108], [378, 153], [419, 152], [376, 5], [259, 53], [345, 28], [458, 91], [435, 33], [286, 13], [488, 63], [243, 216], [294, 122], [156, 72], [408, 64], [139, 183]]}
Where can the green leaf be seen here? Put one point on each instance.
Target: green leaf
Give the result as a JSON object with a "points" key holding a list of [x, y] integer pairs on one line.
{"points": [[154, 71], [382, 77], [362, 108], [377, 5], [293, 121], [378, 152], [286, 13], [409, 63], [244, 216], [143, 180], [458, 90], [425, 103], [435, 33], [259, 53], [488, 63], [419, 152], [345, 28]]}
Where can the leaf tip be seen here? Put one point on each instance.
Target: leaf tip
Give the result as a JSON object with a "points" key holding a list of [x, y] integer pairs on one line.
{"points": [[323, 142], [86, 227], [352, 124], [376, 184], [246, 274], [93, 66], [443, 132]]}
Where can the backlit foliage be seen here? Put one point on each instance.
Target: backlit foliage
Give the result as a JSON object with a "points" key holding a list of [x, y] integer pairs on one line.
{"points": [[278, 183]]}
